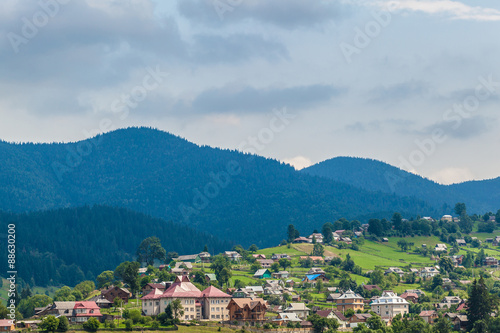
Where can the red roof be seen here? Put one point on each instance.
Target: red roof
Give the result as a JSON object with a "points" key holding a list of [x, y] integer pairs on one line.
{"points": [[214, 292], [5, 322], [90, 306], [154, 294], [182, 287], [427, 313]]}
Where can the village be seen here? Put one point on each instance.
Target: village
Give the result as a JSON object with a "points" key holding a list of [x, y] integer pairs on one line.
{"points": [[347, 282]]}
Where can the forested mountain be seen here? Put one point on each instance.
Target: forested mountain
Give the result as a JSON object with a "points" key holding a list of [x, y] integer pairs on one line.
{"points": [[235, 196], [372, 175], [69, 245]]}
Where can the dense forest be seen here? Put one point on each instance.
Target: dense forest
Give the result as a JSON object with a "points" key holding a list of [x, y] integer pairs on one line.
{"points": [[69, 245], [373, 175], [235, 196]]}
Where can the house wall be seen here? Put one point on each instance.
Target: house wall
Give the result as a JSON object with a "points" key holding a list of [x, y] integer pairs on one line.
{"points": [[215, 308]]}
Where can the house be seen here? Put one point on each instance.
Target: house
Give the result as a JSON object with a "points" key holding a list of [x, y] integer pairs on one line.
{"points": [[101, 301], [332, 298], [262, 274], [346, 240], [205, 257], [152, 286], [416, 291], [316, 259], [232, 255], [349, 300], [358, 318], [337, 315], [265, 263], [457, 259], [184, 264], [259, 256], [296, 298], [428, 272], [317, 236], [440, 248], [459, 321], [314, 278], [143, 271], [370, 287], [395, 270], [389, 305], [280, 256], [76, 312], [7, 325], [284, 318], [461, 242], [447, 218], [280, 275], [410, 297], [490, 261], [299, 240], [428, 316], [197, 304], [316, 270], [214, 304], [251, 310], [385, 240], [210, 277], [448, 302], [299, 309], [190, 258], [113, 292], [180, 271], [339, 232]]}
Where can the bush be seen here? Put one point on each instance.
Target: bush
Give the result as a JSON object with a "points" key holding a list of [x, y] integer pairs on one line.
{"points": [[63, 324], [146, 320], [135, 315], [155, 324], [128, 324], [91, 325]]}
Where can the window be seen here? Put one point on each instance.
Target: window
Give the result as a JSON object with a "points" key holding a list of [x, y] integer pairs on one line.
{"points": [[218, 316], [217, 309], [186, 317], [213, 316], [212, 309], [150, 303]]}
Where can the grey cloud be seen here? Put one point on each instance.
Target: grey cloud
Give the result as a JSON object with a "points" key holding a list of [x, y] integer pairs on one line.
{"points": [[467, 128], [399, 92], [249, 99], [288, 14], [235, 48]]}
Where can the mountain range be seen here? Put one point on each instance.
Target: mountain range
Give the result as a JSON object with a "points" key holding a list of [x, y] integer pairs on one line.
{"points": [[234, 196]]}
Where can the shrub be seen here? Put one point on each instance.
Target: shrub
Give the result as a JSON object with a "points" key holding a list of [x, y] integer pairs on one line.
{"points": [[155, 324], [128, 324], [91, 325]]}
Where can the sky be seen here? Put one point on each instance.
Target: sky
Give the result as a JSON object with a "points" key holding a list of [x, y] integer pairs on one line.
{"points": [[415, 84]]}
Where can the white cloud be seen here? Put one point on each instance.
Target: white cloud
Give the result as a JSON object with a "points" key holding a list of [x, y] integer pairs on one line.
{"points": [[453, 9], [298, 162], [452, 175]]}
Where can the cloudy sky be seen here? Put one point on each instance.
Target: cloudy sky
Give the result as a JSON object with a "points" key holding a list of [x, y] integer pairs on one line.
{"points": [[412, 83]]}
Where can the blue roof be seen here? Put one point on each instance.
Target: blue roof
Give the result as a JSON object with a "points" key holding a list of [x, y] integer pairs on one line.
{"points": [[312, 276]]}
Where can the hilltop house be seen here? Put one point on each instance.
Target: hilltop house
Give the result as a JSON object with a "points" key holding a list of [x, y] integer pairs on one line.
{"points": [[314, 278], [232, 255], [265, 263], [299, 309], [76, 312], [113, 292], [428, 272], [190, 258], [349, 300], [210, 303], [252, 310], [337, 315], [262, 274], [389, 305], [440, 248]]}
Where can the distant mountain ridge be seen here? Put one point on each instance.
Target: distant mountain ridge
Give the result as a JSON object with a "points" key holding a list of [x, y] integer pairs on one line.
{"points": [[373, 175], [234, 196]]}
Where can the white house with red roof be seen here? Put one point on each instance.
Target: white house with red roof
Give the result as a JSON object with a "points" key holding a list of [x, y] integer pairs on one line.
{"points": [[215, 304], [196, 304], [84, 310]]}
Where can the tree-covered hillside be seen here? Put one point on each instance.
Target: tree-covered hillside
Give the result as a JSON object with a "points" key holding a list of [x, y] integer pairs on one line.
{"points": [[235, 196], [69, 245], [373, 175]]}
